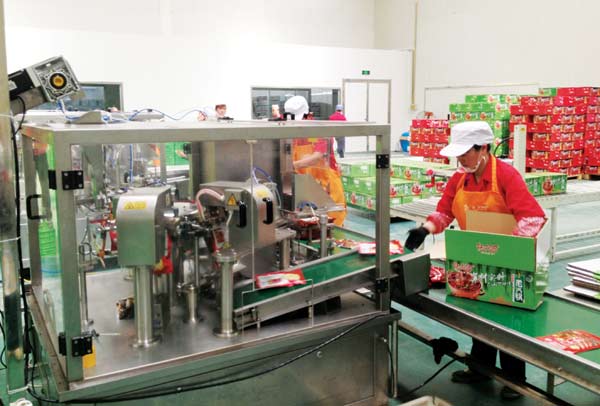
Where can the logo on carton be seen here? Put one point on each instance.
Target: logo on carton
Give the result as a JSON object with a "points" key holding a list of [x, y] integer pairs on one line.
{"points": [[518, 293], [487, 249]]}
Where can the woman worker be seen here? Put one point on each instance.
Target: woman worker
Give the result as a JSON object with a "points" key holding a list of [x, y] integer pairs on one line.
{"points": [[482, 183], [315, 157]]}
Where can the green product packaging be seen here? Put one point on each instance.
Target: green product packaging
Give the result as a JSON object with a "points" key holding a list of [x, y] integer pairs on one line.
{"points": [[348, 183], [547, 91], [454, 108], [533, 183], [483, 266], [400, 187], [407, 199], [551, 183], [493, 98], [367, 186], [357, 169]]}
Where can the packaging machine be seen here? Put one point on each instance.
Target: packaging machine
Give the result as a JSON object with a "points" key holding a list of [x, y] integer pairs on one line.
{"points": [[144, 290]]}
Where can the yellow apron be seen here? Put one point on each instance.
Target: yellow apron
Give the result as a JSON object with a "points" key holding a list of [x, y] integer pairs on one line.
{"points": [[328, 178]]}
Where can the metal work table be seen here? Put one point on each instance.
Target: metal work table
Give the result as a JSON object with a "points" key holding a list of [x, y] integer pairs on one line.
{"points": [[514, 331], [582, 191]]}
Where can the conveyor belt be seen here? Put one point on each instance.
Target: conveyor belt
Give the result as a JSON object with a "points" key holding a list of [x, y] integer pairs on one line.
{"points": [[514, 330]]}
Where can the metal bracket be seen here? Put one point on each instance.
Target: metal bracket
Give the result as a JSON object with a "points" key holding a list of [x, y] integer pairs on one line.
{"points": [[382, 161], [80, 346], [381, 285], [71, 180]]}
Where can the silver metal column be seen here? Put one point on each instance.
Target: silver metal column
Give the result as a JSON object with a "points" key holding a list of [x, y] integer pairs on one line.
{"points": [[285, 251], [191, 300], [323, 220], [143, 306], [393, 343], [225, 259], [8, 242]]}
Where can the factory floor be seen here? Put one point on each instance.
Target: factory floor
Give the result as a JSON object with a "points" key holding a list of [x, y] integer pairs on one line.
{"points": [[416, 360]]}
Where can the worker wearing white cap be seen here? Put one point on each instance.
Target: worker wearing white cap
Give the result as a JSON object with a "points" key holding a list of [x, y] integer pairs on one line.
{"points": [[314, 156], [482, 183]]}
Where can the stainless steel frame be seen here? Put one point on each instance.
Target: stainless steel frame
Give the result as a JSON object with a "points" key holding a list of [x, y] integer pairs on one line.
{"points": [[560, 363], [68, 370]]}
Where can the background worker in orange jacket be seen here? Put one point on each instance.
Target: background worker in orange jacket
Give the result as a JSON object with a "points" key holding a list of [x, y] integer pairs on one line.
{"points": [[315, 157]]}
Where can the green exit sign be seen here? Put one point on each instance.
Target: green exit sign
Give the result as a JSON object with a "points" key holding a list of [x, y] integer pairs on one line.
{"points": [[366, 72]]}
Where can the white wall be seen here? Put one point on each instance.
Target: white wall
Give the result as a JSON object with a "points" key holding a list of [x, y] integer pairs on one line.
{"points": [[177, 55], [551, 42], [394, 24]]}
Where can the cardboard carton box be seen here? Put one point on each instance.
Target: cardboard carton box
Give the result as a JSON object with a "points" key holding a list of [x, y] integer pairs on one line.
{"points": [[481, 265], [358, 169]]}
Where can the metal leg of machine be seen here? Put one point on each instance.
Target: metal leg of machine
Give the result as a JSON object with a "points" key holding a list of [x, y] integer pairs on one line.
{"points": [[226, 259], [143, 307], [323, 221]]}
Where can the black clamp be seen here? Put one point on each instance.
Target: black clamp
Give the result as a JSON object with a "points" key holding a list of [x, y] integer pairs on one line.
{"points": [[71, 180], [382, 161], [381, 285], [80, 346]]}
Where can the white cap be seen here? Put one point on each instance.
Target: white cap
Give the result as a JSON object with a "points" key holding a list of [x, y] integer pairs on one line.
{"points": [[464, 135], [296, 105]]}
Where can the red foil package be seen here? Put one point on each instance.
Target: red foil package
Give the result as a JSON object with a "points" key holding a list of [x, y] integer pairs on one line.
{"points": [[368, 248], [573, 341], [280, 279]]}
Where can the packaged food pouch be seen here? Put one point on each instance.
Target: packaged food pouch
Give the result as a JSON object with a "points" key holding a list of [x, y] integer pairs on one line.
{"points": [[280, 279]]}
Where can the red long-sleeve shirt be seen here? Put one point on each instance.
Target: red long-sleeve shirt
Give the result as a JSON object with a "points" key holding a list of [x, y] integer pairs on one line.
{"points": [[523, 206]]}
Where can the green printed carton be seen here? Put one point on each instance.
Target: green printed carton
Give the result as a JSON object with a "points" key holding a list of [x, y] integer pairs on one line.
{"points": [[357, 169], [549, 183], [493, 98], [483, 265], [533, 184]]}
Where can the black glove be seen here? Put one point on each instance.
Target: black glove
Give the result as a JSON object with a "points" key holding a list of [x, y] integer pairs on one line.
{"points": [[442, 346], [416, 236]]}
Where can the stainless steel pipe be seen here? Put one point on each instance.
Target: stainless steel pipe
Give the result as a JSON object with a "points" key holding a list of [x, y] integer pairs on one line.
{"points": [[323, 221], [225, 260], [285, 252], [143, 306], [191, 300]]}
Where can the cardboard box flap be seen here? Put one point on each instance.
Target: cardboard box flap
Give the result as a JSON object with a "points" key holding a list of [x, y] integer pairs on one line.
{"points": [[491, 249], [490, 222]]}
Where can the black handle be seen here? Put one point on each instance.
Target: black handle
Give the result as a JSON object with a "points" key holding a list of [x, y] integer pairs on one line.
{"points": [[28, 200], [269, 203], [243, 218]]}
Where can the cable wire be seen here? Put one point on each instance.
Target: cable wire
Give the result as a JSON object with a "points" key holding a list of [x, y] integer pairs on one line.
{"points": [[219, 382], [431, 378]]}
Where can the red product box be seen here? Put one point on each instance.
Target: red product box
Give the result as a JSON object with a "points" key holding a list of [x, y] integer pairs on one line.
{"points": [[418, 123], [536, 100], [592, 161], [592, 117], [442, 130], [552, 137], [579, 118], [591, 126], [574, 91], [577, 153], [595, 91], [594, 100], [544, 146], [438, 123], [577, 136], [591, 170], [427, 131], [589, 144], [415, 130], [549, 155], [441, 138], [593, 110], [574, 171], [569, 100], [519, 118], [576, 161], [517, 109]]}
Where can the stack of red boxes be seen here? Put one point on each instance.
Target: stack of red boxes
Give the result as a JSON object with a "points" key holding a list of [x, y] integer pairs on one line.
{"points": [[591, 153], [556, 127], [428, 137]]}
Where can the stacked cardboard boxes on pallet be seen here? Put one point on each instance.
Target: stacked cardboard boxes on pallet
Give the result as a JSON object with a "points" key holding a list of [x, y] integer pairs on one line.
{"points": [[493, 108], [409, 180], [556, 125], [428, 137]]}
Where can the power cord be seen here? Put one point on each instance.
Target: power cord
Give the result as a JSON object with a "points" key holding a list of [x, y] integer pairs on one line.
{"points": [[431, 378], [219, 382], [3, 341]]}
